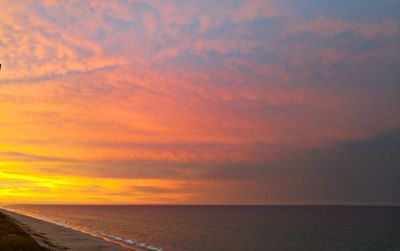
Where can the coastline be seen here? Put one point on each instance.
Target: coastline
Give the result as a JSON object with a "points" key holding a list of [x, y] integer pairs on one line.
{"points": [[59, 238], [13, 237]]}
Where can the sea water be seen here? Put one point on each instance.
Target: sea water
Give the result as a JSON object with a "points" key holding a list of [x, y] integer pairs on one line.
{"points": [[220, 228]]}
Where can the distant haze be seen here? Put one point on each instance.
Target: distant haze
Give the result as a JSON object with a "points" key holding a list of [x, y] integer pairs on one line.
{"points": [[200, 102]]}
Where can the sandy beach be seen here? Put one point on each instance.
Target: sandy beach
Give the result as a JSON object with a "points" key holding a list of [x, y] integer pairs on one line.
{"points": [[59, 238]]}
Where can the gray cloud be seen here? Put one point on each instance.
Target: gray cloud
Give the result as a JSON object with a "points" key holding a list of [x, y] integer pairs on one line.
{"points": [[19, 156], [365, 172]]}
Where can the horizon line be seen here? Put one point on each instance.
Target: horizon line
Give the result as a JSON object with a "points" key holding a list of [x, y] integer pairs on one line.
{"points": [[237, 205]]}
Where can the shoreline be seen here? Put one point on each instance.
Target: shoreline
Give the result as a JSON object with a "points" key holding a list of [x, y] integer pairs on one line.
{"points": [[13, 237], [55, 237]]}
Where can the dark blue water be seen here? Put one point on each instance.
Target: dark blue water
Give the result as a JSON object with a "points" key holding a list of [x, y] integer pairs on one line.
{"points": [[241, 228]]}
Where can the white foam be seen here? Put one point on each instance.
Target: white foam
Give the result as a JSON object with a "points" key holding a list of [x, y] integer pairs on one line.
{"points": [[101, 234], [132, 242]]}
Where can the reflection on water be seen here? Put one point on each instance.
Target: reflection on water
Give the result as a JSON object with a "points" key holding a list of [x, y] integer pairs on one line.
{"points": [[234, 227]]}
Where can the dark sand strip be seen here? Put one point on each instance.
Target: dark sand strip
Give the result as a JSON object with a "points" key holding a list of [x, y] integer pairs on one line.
{"points": [[58, 238], [13, 238]]}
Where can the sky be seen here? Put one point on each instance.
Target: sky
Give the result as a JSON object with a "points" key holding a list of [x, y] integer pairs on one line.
{"points": [[200, 102]]}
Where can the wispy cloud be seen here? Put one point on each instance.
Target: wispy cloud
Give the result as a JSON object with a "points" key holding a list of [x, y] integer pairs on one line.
{"points": [[18, 156], [218, 91]]}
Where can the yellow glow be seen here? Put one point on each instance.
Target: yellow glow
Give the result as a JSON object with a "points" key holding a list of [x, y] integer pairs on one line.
{"points": [[17, 188]]}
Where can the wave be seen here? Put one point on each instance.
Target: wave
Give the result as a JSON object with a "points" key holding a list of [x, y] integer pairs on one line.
{"points": [[132, 242], [103, 235]]}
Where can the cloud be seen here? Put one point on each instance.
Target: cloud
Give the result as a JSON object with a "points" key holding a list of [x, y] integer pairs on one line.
{"points": [[162, 190], [330, 28], [36, 47], [18, 156], [224, 91]]}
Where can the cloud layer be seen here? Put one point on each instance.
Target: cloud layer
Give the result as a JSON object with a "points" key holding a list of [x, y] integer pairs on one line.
{"points": [[185, 102]]}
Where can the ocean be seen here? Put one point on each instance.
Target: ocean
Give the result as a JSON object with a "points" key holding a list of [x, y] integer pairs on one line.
{"points": [[233, 228]]}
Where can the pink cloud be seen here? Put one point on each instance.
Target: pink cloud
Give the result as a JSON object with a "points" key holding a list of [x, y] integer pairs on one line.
{"points": [[184, 84], [252, 10], [326, 27]]}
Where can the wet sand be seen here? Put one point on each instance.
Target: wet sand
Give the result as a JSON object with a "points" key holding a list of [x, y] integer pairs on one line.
{"points": [[59, 238]]}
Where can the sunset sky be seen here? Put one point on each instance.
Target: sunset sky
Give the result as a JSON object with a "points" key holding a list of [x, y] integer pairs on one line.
{"points": [[200, 102]]}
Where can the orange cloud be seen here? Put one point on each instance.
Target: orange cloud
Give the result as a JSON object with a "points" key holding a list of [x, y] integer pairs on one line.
{"points": [[158, 102]]}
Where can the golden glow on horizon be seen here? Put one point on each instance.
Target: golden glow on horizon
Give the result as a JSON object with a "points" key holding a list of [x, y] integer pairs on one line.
{"points": [[28, 188], [101, 102]]}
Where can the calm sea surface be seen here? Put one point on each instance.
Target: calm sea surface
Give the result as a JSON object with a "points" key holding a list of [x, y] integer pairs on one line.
{"points": [[232, 227]]}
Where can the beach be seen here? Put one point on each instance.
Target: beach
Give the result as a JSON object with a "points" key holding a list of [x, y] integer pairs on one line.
{"points": [[50, 236], [215, 228], [12, 237]]}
